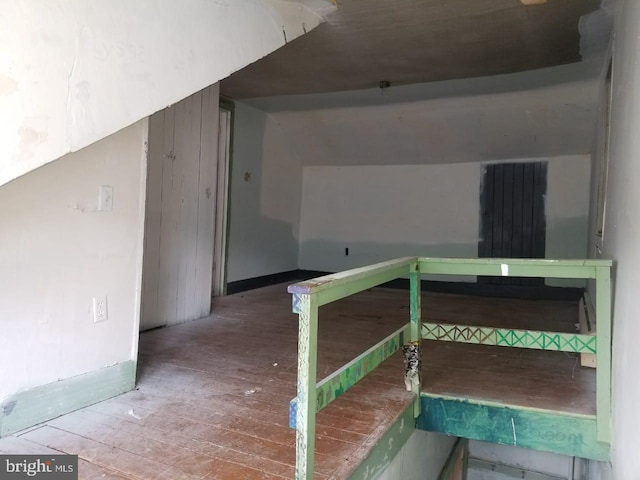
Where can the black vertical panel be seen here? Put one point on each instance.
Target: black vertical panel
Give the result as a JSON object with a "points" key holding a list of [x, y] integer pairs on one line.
{"points": [[518, 191], [486, 213], [513, 223], [527, 216], [507, 212], [485, 245], [498, 209], [498, 189], [516, 239], [527, 210], [539, 221]]}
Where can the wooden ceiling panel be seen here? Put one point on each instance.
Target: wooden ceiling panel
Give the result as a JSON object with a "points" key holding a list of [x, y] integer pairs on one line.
{"points": [[413, 41]]}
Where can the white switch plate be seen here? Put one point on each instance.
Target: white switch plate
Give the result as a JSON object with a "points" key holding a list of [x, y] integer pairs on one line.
{"points": [[105, 198], [100, 313]]}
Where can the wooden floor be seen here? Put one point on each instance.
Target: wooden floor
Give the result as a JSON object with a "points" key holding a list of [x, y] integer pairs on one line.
{"points": [[511, 376], [212, 397]]}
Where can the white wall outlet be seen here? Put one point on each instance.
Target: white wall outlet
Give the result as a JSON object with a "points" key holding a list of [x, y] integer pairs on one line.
{"points": [[105, 198], [100, 313]]}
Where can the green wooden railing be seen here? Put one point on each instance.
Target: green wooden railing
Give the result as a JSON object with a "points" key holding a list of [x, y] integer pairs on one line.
{"points": [[312, 396], [308, 296]]}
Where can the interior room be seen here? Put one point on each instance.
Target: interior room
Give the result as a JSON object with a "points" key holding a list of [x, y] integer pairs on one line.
{"points": [[155, 208]]}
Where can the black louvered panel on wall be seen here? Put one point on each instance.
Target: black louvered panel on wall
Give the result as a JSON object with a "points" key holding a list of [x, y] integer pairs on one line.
{"points": [[513, 223]]}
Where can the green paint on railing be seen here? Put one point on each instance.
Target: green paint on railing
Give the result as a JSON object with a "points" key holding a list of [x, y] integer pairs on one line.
{"points": [[309, 295], [333, 287], [509, 267], [307, 366], [603, 360], [567, 434], [415, 303], [533, 339], [346, 377], [331, 387]]}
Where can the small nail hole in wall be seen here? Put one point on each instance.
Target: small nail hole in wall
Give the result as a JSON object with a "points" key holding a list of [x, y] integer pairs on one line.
{"points": [[247, 176]]}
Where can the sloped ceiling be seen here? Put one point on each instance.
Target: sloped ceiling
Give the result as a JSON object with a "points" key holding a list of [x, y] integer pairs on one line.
{"points": [[413, 41]]}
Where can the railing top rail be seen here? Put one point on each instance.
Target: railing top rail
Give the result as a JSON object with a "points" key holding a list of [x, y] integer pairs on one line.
{"points": [[519, 261], [319, 284]]}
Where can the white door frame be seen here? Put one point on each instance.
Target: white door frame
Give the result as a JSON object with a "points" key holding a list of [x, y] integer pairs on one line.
{"points": [[225, 130]]}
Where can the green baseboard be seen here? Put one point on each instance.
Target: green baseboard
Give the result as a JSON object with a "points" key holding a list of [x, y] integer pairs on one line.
{"points": [[387, 447], [39, 404]]}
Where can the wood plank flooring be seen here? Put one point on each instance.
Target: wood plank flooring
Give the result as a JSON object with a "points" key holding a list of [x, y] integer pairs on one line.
{"points": [[212, 395], [513, 376]]}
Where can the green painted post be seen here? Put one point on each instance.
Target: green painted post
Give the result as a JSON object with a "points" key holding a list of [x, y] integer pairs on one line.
{"points": [[603, 357], [416, 317], [307, 365]]}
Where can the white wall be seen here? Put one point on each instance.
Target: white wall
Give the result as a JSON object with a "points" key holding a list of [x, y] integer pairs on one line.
{"points": [[567, 211], [57, 252], [397, 154], [567, 206], [383, 212], [397, 174], [421, 458], [181, 193], [547, 463], [599, 155], [73, 72], [265, 197], [622, 237], [544, 113]]}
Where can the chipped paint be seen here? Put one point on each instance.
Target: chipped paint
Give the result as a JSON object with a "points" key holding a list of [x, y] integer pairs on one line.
{"points": [[562, 433], [458, 417], [336, 384]]}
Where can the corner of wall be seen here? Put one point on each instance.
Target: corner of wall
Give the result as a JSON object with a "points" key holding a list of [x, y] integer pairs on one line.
{"points": [[264, 224], [141, 238]]}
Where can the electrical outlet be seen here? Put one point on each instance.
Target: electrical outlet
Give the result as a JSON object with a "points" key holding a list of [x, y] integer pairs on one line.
{"points": [[100, 313]]}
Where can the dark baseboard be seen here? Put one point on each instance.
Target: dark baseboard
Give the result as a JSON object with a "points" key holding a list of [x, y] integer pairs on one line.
{"points": [[273, 279], [307, 274], [542, 292], [259, 282]]}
